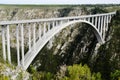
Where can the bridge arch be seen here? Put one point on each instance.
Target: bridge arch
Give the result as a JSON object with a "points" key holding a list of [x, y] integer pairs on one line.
{"points": [[54, 31], [95, 30], [98, 23]]}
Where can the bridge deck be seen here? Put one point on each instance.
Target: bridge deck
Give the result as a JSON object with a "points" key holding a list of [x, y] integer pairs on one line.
{"points": [[53, 19]]}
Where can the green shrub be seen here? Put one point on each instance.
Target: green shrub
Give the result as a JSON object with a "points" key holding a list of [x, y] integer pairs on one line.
{"points": [[42, 76], [115, 75], [3, 77], [79, 72]]}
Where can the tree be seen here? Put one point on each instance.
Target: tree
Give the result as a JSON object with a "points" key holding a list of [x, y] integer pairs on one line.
{"points": [[79, 72], [97, 10]]}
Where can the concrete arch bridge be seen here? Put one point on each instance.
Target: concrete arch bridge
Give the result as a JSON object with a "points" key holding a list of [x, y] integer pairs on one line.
{"points": [[40, 31]]}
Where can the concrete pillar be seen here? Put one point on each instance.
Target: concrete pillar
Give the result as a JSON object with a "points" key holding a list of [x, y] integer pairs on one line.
{"points": [[88, 19], [18, 45], [96, 22], [61, 22], [22, 44], [3, 43], [93, 20], [107, 23], [48, 26], [99, 22], [110, 18], [8, 45], [29, 34], [56, 23], [53, 24], [44, 34], [40, 31], [104, 27], [44, 28], [68, 20], [34, 35], [101, 30]]}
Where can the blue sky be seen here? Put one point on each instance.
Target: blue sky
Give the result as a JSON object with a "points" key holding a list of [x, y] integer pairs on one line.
{"points": [[60, 2]]}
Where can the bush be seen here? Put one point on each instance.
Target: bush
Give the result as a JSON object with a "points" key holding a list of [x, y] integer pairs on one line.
{"points": [[115, 75], [3, 77], [42, 76], [79, 72], [97, 10]]}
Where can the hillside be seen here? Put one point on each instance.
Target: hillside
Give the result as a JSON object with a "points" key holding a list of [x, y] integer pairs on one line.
{"points": [[73, 49]]}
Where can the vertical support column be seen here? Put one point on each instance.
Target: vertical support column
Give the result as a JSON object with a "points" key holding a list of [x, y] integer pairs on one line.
{"points": [[56, 24], [44, 28], [68, 20], [48, 26], [110, 16], [85, 18], [93, 20], [61, 22], [8, 45], [3, 43], [53, 24], [22, 44], [88, 19], [34, 36], [104, 28], [18, 48], [29, 34], [96, 22], [110, 19], [40, 31], [107, 23], [101, 26]]}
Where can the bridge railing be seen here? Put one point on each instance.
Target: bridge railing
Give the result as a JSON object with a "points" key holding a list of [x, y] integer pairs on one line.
{"points": [[53, 19]]}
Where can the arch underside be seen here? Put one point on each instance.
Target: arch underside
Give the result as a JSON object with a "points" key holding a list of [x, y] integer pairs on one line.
{"points": [[41, 42]]}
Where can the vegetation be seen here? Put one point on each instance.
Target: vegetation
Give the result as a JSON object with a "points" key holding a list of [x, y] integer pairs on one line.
{"points": [[79, 72], [108, 60], [75, 72], [115, 75], [106, 65], [3, 77], [97, 10], [64, 12]]}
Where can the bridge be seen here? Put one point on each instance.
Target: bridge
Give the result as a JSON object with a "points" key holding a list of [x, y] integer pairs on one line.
{"points": [[38, 32]]}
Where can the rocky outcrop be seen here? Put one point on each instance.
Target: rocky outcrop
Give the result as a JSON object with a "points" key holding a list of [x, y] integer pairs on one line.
{"points": [[11, 73]]}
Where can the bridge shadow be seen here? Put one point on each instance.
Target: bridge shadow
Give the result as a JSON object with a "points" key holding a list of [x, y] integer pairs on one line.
{"points": [[77, 49]]}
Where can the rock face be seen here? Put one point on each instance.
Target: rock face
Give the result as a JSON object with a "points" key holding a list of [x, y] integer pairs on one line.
{"points": [[38, 13], [11, 73], [73, 44]]}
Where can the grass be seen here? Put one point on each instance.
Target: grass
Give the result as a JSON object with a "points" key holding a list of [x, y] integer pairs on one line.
{"points": [[114, 8], [53, 5], [34, 6]]}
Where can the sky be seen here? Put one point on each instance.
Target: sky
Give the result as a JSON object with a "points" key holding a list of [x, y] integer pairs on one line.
{"points": [[60, 2]]}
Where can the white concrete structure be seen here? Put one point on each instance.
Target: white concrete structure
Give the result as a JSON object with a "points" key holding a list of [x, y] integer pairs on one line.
{"points": [[40, 31]]}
